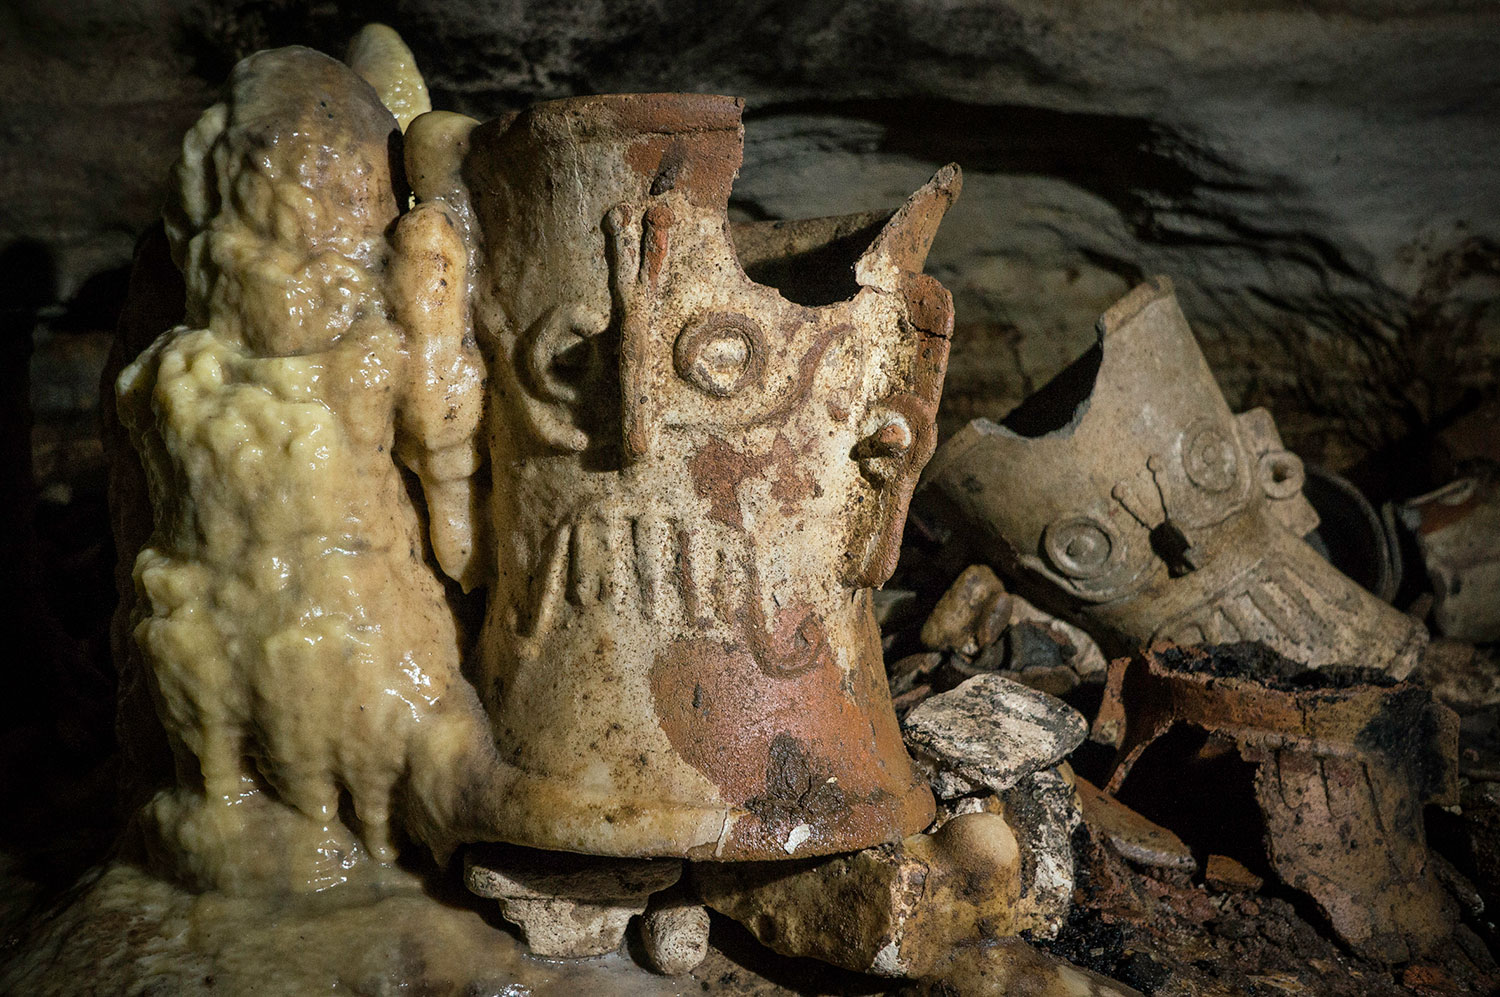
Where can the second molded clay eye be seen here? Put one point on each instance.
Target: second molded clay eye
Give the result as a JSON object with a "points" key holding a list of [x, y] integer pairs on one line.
{"points": [[719, 354], [1080, 546]]}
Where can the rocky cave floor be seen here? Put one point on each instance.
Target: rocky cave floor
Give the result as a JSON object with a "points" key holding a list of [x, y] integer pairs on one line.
{"points": [[1232, 930]]}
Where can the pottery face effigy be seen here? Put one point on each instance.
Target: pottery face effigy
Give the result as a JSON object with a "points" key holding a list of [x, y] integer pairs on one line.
{"points": [[692, 481]]}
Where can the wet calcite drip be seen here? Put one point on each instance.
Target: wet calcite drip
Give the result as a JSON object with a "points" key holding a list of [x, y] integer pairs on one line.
{"points": [[301, 653], [694, 481]]}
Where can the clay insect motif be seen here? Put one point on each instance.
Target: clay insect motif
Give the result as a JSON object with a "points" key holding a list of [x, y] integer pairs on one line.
{"points": [[1131, 494]]}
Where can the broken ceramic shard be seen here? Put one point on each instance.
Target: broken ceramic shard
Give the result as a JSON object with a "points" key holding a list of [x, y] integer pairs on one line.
{"points": [[1130, 835], [989, 733], [694, 479], [1129, 492], [1351, 534], [1344, 761], [1457, 531]]}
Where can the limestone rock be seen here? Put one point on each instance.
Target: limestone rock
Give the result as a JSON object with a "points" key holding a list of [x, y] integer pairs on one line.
{"points": [[1039, 655], [675, 936], [567, 906], [991, 732], [1044, 809], [1087, 660], [896, 910], [905, 672], [1054, 680], [970, 615]]}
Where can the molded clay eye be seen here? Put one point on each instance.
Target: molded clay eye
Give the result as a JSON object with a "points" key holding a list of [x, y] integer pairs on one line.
{"points": [[1281, 473], [719, 354], [1209, 457], [1080, 547]]}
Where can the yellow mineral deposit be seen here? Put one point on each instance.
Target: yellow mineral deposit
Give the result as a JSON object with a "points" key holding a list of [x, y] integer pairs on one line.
{"points": [[379, 55], [297, 639]]}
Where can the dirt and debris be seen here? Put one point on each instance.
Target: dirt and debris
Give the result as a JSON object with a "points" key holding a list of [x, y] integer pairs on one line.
{"points": [[1176, 892], [976, 628], [1168, 933]]}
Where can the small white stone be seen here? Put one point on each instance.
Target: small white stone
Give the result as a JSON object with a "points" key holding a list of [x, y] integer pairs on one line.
{"points": [[675, 937], [888, 960], [799, 834]]}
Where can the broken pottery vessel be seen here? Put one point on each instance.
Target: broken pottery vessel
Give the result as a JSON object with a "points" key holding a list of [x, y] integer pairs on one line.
{"points": [[1130, 494], [1345, 760], [694, 481]]}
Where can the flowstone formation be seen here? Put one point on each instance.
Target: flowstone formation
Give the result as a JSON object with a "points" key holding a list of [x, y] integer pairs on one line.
{"points": [[297, 645]]}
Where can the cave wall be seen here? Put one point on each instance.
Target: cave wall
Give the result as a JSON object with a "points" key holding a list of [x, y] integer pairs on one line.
{"points": [[1320, 179]]}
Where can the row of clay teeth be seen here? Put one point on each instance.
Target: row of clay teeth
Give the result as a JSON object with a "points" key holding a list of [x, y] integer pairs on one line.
{"points": [[658, 566]]}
